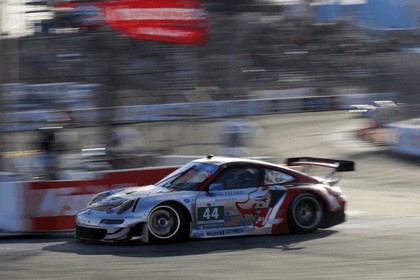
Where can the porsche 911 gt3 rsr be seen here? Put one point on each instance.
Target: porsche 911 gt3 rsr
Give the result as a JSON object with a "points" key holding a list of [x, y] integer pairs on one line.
{"points": [[219, 197]]}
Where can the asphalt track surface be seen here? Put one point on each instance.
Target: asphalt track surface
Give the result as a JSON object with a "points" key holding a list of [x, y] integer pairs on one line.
{"points": [[380, 240]]}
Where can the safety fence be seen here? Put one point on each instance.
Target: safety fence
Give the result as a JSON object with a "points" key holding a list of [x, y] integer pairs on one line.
{"points": [[34, 119]]}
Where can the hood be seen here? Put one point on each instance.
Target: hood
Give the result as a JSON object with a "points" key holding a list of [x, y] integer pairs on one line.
{"points": [[127, 194], [136, 192]]}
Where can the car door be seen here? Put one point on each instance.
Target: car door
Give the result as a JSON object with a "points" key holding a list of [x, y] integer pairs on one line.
{"points": [[233, 202]]}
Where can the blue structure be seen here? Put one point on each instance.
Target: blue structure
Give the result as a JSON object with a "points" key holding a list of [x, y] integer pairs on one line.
{"points": [[374, 14], [391, 14], [330, 10]]}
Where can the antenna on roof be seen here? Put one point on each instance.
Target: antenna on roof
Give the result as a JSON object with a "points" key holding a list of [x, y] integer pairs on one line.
{"points": [[209, 156]]}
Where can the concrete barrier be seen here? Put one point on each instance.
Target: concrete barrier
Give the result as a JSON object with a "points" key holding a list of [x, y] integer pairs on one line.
{"points": [[51, 206]]}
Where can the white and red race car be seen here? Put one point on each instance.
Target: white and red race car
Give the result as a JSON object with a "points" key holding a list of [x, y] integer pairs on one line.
{"points": [[219, 197]]}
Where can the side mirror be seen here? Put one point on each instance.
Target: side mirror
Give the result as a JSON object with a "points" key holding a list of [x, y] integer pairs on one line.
{"points": [[216, 187]]}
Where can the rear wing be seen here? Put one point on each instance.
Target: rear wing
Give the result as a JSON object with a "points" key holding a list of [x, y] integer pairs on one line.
{"points": [[309, 163], [337, 165]]}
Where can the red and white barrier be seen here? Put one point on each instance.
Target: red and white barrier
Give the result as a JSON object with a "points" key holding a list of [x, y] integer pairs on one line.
{"points": [[51, 206]]}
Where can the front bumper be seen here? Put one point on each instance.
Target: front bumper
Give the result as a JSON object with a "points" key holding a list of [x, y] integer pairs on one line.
{"points": [[98, 226], [94, 234], [109, 234]]}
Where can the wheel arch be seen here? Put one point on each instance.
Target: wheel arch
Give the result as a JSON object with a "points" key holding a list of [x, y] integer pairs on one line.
{"points": [[318, 196], [318, 193], [184, 208], [322, 200], [185, 233]]}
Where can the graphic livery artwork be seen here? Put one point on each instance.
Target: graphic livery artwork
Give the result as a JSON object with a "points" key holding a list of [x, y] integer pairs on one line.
{"points": [[219, 196]]}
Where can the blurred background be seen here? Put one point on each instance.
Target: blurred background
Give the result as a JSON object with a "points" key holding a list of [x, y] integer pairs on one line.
{"points": [[96, 85]]}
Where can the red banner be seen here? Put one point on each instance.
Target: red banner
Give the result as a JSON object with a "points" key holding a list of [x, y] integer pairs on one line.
{"points": [[174, 21]]}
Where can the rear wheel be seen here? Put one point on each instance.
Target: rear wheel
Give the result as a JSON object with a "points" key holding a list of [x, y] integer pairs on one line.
{"points": [[305, 213], [167, 223]]}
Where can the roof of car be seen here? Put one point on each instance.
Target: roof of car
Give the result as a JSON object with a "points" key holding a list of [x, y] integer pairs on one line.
{"points": [[219, 160]]}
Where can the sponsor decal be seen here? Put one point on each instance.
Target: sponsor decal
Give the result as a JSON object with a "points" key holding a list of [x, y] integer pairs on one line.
{"points": [[211, 225], [52, 205], [223, 232], [51, 202], [134, 217], [228, 193], [130, 14], [234, 231], [198, 234], [215, 233]]}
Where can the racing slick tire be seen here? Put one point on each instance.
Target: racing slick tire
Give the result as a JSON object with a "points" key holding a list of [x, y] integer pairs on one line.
{"points": [[305, 213], [166, 224]]}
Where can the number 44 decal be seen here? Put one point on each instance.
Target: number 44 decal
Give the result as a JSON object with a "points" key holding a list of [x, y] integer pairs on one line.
{"points": [[211, 213]]}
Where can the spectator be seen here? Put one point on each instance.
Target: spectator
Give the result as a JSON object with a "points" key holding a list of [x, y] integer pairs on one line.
{"points": [[49, 148]]}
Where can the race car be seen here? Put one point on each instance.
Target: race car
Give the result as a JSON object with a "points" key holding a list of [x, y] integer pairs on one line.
{"points": [[219, 197]]}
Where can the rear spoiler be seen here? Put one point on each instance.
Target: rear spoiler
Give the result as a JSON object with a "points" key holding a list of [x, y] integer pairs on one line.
{"points": [[338, 165]]}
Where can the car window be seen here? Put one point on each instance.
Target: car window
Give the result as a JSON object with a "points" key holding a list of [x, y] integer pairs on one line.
{"points": [[189, 177], [272, 176], [239, 177]]}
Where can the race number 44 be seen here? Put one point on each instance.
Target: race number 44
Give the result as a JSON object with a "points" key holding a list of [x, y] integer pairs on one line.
{"points": [[211, 213]]}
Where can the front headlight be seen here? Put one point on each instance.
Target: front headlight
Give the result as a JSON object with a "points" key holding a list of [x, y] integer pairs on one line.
{"points": [[125, 206], [98, 197]]}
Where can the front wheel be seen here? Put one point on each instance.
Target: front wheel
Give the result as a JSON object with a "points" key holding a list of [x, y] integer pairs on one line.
{"points": [[305, 213], [167, 223]]}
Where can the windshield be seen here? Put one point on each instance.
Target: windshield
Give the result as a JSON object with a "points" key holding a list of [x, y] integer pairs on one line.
{"points": [[189, 177]]}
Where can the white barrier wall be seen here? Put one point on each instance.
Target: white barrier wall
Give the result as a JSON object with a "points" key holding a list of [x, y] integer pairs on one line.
{"points": [[12, 216], [406, 136]]}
